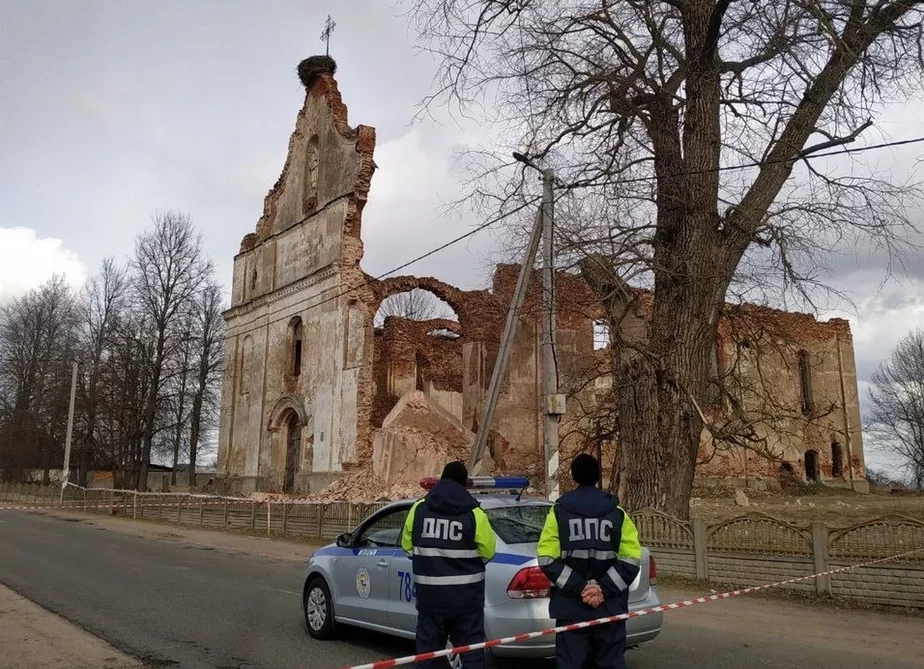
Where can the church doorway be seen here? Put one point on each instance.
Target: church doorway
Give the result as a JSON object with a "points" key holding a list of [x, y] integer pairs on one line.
{"points": [[293, 442]]}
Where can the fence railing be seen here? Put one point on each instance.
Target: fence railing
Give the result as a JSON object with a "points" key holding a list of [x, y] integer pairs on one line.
{"points": [[280, 518], [756, 548], [745, 550]]}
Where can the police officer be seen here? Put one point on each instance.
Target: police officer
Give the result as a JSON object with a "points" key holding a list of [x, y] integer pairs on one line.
{"points": [[449, 539], [590, 552]]}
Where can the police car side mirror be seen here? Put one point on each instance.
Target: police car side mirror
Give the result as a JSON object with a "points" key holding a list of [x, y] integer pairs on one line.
{"points": [[345, 540]]}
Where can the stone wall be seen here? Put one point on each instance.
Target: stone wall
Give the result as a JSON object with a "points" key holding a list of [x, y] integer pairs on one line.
{"points": [[756, 549], [295, 391], [757, 356]]}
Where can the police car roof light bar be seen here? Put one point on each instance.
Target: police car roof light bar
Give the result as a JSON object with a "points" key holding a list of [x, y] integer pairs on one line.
{"points": [[481, 483]]}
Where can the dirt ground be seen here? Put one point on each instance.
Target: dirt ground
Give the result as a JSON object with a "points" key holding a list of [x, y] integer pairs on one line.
{"points": [[33, 638], [831, 505]]}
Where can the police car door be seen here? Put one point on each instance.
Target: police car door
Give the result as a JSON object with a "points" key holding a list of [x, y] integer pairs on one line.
{"points": [[402, 595], [364, 585]]}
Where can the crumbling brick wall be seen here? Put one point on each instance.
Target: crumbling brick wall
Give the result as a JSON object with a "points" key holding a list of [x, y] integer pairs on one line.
{"points": [[307, 247]]}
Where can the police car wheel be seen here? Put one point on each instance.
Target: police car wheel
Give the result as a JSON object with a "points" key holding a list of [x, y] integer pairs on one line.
{"points": [[319, 610]]}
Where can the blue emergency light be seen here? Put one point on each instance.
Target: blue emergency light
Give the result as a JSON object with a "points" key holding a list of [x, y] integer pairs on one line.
{"points": [[484, 482], [498, 482]]}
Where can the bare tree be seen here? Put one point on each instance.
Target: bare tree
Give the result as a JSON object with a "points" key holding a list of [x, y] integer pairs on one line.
{"points": [[168, 271], [897, 397], [37, 348], [178, 383], [101, 302], [689, 135], [208, 340], [125, 384]]}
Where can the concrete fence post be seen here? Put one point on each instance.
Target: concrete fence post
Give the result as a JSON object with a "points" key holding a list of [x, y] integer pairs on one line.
{"points": [[179, 510], [320, 520], [134, 506], [700, 530], [285, 518], [225, 518], [253, 516], [820, 554], [201, 512]]}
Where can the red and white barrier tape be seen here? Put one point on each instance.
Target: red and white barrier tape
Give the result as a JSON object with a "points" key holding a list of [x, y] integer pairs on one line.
{"points": [[33, 507], [459, 650]]}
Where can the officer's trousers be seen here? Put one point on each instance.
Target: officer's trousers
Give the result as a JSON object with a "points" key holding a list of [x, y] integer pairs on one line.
{"points": [[599, 647], [433, 630]]}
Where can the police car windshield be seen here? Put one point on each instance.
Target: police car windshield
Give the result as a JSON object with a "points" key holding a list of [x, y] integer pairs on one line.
{"points": [[520, 524]]}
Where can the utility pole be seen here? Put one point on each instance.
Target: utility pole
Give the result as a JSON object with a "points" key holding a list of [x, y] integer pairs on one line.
{"points": [[553, 404], [66, 470], [503, 354]]}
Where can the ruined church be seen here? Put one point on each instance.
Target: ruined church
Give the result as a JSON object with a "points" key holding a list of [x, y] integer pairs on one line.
{"points": [[316, 394]]}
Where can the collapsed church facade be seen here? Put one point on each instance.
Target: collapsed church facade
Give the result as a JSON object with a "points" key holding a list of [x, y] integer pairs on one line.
{"points": [[317, 397]]}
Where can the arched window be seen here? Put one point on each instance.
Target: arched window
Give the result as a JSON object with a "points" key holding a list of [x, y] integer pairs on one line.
{"points": [[807, 401], [295, 344]]}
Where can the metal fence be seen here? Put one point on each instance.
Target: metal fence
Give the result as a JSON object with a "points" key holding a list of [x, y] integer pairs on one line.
{"points": [[279, 518]]}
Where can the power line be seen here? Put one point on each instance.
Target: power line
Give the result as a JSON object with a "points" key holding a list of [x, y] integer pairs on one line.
{"points": [[522, 206]]}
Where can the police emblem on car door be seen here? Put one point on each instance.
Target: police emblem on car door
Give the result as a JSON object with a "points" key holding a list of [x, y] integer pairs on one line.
{"points": [[364, 574]]}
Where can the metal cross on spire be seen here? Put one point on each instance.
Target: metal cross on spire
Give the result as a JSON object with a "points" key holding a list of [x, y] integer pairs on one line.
{"points": [[329, 26]]}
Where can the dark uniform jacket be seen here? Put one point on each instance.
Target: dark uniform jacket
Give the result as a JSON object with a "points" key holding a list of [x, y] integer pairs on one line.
{"points": [[449, 539], [588, 537]]}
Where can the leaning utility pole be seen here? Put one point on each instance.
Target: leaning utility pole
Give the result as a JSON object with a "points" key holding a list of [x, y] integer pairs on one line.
{"points": [[65, 474], [503, 354], [553, 404]]}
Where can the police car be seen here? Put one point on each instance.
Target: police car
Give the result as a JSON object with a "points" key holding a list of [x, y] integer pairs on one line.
{"points": [[364, 579]]}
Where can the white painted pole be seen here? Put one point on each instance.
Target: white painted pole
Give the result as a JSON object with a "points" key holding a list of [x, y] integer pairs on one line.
{"points": [[65, 474], [552, 403]]}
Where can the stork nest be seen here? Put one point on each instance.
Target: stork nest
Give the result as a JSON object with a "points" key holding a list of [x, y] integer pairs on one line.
{"points": [[311, 68]]}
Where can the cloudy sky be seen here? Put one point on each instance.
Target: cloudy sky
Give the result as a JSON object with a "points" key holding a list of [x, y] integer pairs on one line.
{"points": [[112, 111]]}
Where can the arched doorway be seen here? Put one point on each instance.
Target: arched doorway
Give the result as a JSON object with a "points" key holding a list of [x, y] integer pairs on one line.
{"points": [[293, 443], [811, 465]]}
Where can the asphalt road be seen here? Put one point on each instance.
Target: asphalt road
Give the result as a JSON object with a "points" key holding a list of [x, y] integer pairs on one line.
{"points": [[175, 604]]}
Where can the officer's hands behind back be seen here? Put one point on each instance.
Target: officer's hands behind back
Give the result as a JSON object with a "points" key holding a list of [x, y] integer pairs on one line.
{"points": [[592, 595]]}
